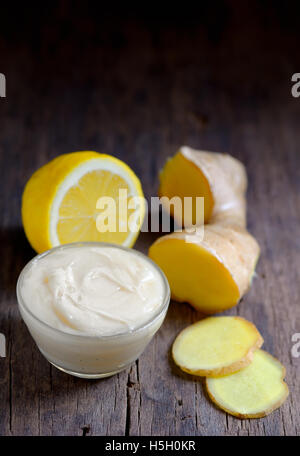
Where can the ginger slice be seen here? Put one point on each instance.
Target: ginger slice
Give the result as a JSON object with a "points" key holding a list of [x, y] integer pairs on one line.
{"points": [[216, 346], [219, 178], [254, 391], [213, 273]]}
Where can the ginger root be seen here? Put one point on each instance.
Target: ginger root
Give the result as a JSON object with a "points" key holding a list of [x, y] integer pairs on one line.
{"points": [[212, 269], [211, 272], [216, 346], [219, 178], [252, 392]]}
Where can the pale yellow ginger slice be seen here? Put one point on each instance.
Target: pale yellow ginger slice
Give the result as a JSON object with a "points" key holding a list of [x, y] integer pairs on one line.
{"points": [[254, 391], [211, 273], [219, 178], [216, 346]]}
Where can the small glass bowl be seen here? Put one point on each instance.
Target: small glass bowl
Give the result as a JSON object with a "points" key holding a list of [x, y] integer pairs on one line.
{"points": [[89, 356]]}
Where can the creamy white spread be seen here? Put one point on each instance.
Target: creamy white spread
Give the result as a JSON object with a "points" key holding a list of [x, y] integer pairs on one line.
{"points": [[93, 290]]}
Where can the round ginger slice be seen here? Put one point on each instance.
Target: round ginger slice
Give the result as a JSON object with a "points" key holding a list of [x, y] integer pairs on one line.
{"points": [[253, 392], [216, 346]]}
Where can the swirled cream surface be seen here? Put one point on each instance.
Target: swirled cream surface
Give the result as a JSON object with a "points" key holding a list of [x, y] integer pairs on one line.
{"points": [[93, 290]]}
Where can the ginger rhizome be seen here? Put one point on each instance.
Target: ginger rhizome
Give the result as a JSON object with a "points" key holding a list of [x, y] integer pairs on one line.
{"points": [[252, 392], [216, 346], [211, 272]]}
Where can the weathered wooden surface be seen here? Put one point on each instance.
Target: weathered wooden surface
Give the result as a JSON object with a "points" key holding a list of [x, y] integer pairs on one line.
{"points": [[138, 88]]}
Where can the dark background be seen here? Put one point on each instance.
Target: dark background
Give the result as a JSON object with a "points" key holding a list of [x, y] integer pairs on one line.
{"points": [[138, 82]]}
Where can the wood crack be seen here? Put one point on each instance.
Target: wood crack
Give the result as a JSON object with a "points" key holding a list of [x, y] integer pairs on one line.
{"points": [[128, 406], [10, 379]]}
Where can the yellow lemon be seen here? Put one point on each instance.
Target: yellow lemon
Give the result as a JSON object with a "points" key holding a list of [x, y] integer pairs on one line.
{"points": [[82, 196]]}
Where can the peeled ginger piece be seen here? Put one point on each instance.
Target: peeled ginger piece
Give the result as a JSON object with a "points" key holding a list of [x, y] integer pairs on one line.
{"points": [[254, 391], [216, 346], [218, 178], [213, 272]]}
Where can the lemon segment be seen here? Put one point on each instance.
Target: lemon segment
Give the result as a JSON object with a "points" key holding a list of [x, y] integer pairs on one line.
{"points": [[60, 202]]}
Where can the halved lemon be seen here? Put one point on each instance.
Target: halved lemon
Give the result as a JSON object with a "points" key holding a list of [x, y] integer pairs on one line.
{"points": [[82, 196]]}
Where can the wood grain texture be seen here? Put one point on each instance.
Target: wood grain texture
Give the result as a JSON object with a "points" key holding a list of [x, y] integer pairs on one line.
{"points": [[139, 85]]}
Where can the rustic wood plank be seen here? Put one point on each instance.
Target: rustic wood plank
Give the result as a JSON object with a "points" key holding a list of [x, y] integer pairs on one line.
{"points": [[138, 87]]}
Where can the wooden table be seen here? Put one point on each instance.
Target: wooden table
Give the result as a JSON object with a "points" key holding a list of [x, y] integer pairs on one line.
{"points": [[138, 85]]}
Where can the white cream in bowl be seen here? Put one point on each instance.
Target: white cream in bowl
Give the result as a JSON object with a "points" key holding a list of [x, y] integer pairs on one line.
{"points": [[92, 307]]}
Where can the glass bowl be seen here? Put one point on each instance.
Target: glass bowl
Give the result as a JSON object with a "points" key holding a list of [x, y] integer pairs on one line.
{"points": [[85, 355]]}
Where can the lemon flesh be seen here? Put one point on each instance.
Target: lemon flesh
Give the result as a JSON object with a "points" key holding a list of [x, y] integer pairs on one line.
{"points": [[60, 202]]}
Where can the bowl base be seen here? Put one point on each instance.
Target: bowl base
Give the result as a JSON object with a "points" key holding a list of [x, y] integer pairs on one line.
{"points": [[88, 376]]}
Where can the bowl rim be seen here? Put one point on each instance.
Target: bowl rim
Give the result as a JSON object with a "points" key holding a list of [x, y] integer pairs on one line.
{"points": [[162, 308]]}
